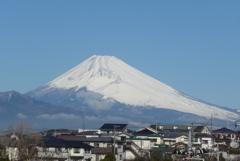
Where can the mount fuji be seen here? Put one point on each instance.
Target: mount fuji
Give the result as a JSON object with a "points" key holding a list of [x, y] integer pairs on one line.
{"points": [[105, 86]]}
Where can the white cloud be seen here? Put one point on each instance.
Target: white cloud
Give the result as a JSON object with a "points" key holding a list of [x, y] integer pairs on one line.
{"points": [[138, 124], [108, 118], [94, 100], [21, 116], [58, 116]]}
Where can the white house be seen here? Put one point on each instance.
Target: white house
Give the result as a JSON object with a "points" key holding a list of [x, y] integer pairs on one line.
{"points": [[204, 140], [104, 145], [65, 150], [136, 147]]}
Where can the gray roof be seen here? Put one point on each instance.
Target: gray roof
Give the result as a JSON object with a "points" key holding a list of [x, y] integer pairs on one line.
{"points": [[173, 134], [178, 128], [65, 143], [223, 130], [110, 127], [99, 139], [201, 135]]}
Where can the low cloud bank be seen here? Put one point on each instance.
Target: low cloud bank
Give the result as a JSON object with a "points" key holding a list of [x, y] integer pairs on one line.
{"points": [[21, 115], [58, 116]]}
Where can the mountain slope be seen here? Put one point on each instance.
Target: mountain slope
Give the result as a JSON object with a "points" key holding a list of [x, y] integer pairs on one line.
{"points": [[15, 107], [28, 104], [108, 80]]}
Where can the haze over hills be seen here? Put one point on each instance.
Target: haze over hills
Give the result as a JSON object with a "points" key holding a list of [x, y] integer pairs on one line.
{"points": [[15, 107], [107, 86]]}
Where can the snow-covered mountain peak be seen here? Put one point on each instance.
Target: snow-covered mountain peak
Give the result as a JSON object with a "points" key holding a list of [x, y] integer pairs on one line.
{"points": [[100, 61], [114, 79], [95, 70], [111, 77]]}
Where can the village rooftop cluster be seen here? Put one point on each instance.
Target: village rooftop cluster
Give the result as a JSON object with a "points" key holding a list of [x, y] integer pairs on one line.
{"points": [[172, 142]]}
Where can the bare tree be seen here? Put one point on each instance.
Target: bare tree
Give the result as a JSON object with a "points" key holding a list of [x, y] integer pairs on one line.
{"points": [[23, 141]]}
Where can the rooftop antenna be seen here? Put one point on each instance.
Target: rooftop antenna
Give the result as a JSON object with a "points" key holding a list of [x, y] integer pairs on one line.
{"points": [[83, 124], [83, 127], [156, 125], [228, 120], [14, 130], [206, 122]]}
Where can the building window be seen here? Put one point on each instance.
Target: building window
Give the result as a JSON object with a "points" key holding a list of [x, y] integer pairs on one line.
{"points": [[123, 138], [57, 150], [204, 141], [195, 139], [87, 151], [76, 150], [96, 145], [185, 139]]}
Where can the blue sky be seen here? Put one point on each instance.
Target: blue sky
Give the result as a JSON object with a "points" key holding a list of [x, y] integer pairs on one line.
{"points": [[192, 46]]}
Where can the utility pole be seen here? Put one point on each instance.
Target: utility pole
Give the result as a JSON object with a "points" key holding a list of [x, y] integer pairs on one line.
{"points": [[190, 141], [228, 120], [212, 117], [140, 123], [114, 140], [211, 123], [83, 125]]}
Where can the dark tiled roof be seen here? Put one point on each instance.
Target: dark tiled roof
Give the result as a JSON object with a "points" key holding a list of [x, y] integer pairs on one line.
{"points": [[198, 128], [179, 128], [173, 134], [87, 133], [76, 157], [223, 130], [65, 143], [70, 137], [110, 127], [202, 135], [99, 139], [144, 132]]}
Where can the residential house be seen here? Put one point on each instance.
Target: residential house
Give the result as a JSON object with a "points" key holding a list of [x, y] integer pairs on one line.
{"points": [[64, 150], [105, 145], [109, 129], [145, 132], [19, 147], [204, 140], [151, 134], [181, 128], [10, 145], [87, 133], [224, 136], [70, 137], [225, 133], [137, 147], [172, 138], [124, 135]]}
